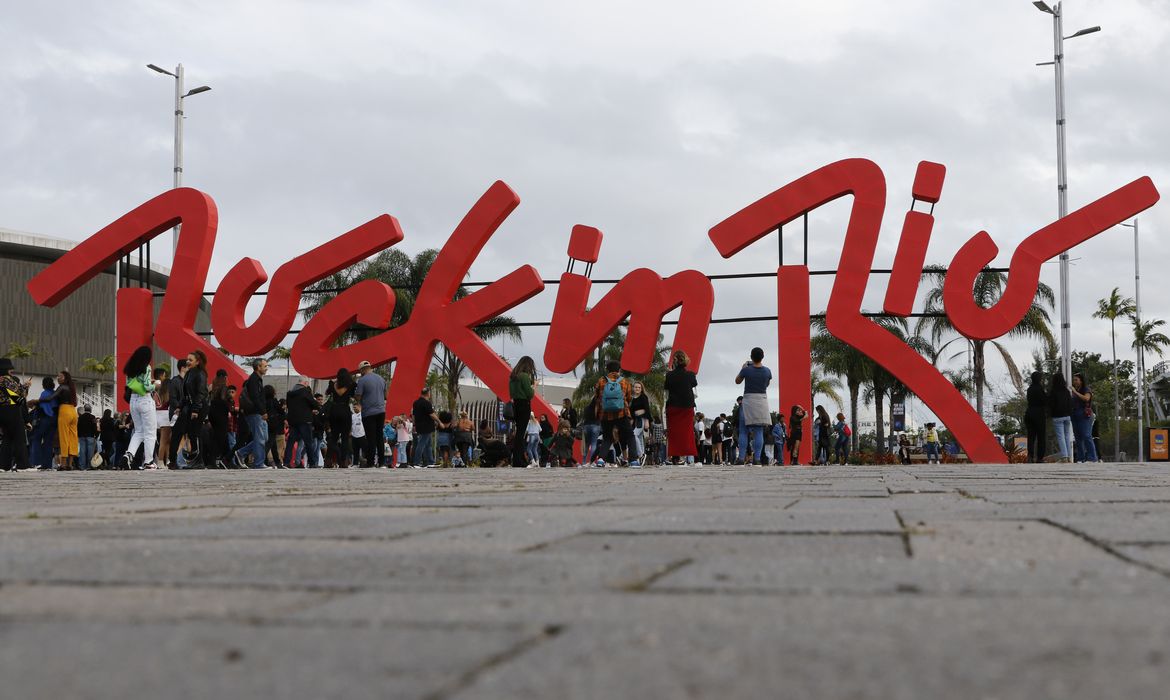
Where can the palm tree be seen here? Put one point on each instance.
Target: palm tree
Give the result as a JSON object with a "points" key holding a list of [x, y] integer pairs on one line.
{"points": [[21, 351], [101, 367], [280, 352], [836, 357], [1147, 338], [1113, 307], [405, 275], [988, 288], [823, 385]]}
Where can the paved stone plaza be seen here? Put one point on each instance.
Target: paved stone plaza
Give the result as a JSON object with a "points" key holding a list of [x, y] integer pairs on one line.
{"points": [[940, 582]]}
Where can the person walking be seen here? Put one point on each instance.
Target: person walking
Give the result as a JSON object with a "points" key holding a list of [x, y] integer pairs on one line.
{"points": [[1060, 408], [175, 390], [933, 455], [613, 394], [370, 392], [193, 411], [254, 409], [13, 417], [1034, 418], [521, 389], [1083, 419], [141, 384], [301, 409], [680, 386]]}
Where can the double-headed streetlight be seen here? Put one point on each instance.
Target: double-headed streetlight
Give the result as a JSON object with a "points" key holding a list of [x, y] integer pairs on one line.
{"points": [[180, 95], [1058, 38], [1141, 355]]}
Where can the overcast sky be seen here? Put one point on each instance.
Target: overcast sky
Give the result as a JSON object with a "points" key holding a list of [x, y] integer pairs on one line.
{"points": [[651, 121]]}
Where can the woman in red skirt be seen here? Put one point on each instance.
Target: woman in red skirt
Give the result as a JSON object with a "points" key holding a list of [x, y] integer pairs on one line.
{"points": [[680, 410]]}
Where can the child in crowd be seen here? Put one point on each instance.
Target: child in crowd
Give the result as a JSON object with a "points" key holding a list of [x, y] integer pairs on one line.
{"points": [[358, 433], [561, 447]]}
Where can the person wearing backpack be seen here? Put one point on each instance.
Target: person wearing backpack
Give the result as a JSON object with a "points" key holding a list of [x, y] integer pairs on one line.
{"points": [[613, 395]]}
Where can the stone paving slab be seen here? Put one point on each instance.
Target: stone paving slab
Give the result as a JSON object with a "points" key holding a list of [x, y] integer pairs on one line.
{"points": [[1015, 581]]}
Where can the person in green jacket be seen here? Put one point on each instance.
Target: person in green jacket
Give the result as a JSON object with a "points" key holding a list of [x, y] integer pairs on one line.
{"points": [[520, 392]]}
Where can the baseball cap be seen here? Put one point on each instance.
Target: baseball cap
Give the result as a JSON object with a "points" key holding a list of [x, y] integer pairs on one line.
{"points": [[363, 364]]}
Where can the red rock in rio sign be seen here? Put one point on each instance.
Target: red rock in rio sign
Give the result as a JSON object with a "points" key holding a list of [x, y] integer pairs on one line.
{"points": [[642, 295]]}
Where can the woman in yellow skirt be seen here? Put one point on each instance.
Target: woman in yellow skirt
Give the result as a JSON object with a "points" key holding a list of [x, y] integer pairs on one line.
{"points": [[66, 395]]}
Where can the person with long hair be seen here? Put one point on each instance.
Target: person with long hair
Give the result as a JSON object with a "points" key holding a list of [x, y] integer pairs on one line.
{"points": [[1083, 420], [141, 384], [1034, 418], [65, 399], [219, 411], [339, 419], [795, 433], [193, 411], [1060, 408], [521, 389], [680, 386], [824, 435]]}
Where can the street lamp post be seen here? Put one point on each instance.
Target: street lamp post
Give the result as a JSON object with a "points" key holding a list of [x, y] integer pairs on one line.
{"points": [[178, 170], [1141, 358], [1057, 61]]}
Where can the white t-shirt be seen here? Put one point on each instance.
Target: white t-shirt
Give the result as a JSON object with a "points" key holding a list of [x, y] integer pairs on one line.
{"points": [[404, 429], [358, 430]]}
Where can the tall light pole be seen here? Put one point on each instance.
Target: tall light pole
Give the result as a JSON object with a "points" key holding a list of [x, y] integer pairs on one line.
{"points": [[1057, 61], [178, 171], [1141, 355]]}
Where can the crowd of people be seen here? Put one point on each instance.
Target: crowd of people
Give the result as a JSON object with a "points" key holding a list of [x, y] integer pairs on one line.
{"points": [[193, 421]]}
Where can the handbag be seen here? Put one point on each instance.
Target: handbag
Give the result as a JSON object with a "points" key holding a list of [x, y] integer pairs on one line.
{"points": [[96, 461], [1088, 411]]}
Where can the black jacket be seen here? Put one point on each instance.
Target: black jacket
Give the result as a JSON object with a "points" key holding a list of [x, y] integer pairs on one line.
{"points": [[680, 388], [176, 393], [1060, 404], [1037, 400], [195, 390], [301, 405], [253, 392]]}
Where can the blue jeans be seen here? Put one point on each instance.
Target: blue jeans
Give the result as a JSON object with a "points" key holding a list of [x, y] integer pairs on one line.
{"points": [[402, 453], [1085, 448], [590, 432], [300, 434], [314, 452], [931, 449], [534, 448], [1063, 429], [86, 448], [424, 452], [756, 433], [259, 429]]}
